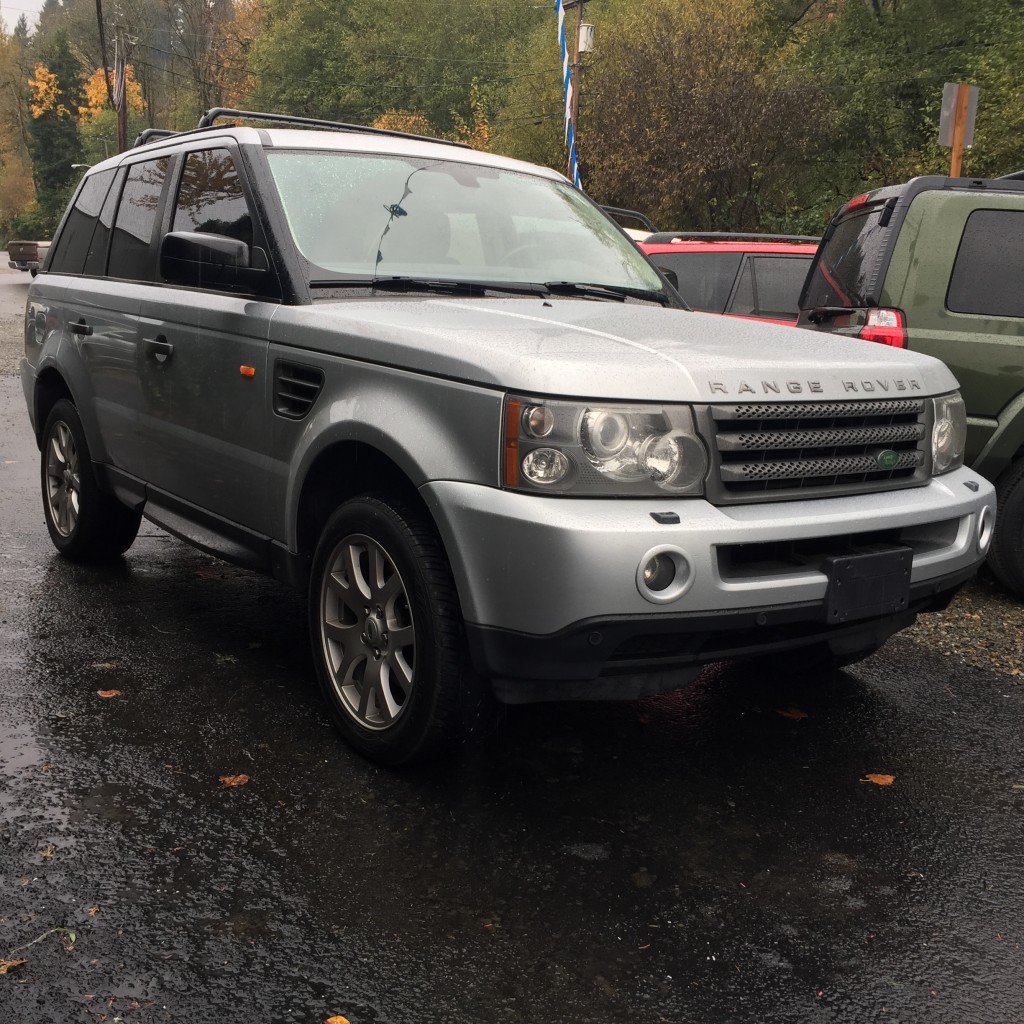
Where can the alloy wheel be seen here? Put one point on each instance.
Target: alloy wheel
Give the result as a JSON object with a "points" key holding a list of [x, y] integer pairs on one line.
{"points": [[367, 632], [63, 480]]}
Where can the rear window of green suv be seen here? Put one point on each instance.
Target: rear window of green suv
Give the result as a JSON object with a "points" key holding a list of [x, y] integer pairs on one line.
{"points": [[848, 265], [988, 275]]}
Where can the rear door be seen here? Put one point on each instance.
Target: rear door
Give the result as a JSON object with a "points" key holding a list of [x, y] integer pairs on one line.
{"points": [[101, 302]]}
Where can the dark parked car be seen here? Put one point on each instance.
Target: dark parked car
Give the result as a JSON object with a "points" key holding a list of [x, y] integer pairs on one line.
{"points": [[936, 265]]}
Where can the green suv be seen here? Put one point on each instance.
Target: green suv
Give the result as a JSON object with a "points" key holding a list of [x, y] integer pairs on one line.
{"points": [[937, 265]]}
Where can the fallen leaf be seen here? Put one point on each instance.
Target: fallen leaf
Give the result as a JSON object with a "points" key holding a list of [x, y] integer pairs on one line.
{"points": [[47, 853], [104, 666], [1018, 785], [93, 911], [231, 781], [9, 965], [794, 713], [879, 780], [336, 1020], [106, 694]]}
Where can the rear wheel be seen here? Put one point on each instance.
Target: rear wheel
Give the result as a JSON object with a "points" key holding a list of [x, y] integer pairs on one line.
{"points": [[84, 522], [387, 634], [1006, 556]]}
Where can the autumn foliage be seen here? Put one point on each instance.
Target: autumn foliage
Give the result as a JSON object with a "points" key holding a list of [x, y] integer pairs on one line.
{"points": [[96, 95]]}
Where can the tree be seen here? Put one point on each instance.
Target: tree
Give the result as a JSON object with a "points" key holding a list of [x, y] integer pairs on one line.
{"points": [[54, 142], [686, 118]]}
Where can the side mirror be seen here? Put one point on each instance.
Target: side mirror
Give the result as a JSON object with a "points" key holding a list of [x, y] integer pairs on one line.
{"points": [[671, 276], [211, 261]]}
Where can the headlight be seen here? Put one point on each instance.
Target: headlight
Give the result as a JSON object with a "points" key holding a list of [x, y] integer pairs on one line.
{"points": [[597, 448], [949, 433]]}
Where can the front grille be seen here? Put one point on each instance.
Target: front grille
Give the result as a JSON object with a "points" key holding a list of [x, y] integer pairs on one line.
{"points": [[784, 450]]}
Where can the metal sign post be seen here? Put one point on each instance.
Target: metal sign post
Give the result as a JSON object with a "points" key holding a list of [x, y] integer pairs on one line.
{"points": [[956, 122]]}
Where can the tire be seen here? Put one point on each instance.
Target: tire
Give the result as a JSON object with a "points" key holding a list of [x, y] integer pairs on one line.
{"points": [[387, 635], [1006, 556], [85, 523]]}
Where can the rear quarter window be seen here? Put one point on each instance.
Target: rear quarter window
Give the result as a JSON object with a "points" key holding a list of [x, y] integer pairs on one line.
{"points": [[73, 246], [847, 268], [988, 274]]}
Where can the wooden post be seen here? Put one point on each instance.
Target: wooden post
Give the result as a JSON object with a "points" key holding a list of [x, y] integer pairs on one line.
{"points": [[959, 128]]}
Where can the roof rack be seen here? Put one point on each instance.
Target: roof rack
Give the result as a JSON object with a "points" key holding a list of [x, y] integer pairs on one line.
{"points": [[725, 236], [206, 122], [615, 212]]}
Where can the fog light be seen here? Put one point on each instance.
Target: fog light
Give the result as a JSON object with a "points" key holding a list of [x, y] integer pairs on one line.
{"points": [[663, 575], [659, 573]]}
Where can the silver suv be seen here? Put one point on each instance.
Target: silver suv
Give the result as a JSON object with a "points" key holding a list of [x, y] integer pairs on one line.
{"points": [[442, 391]]}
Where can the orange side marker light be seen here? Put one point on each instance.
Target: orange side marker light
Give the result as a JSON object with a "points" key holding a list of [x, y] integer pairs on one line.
{"points": [[247, 371]]}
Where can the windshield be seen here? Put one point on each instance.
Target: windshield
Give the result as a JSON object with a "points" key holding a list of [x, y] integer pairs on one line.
{"points": [[366, 216]]}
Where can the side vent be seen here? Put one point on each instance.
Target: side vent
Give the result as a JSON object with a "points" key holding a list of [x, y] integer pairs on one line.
{"points": [[295, 388]]}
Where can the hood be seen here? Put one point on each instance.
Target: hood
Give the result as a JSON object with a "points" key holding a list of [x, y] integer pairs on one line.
{"points": [[580, 348]]}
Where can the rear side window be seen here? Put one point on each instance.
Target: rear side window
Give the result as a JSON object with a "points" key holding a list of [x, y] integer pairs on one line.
{"points": [[988, 275], [211, 198], [73, 246], [705, 278], [849, 262], [96, 261], [770, 286], [131, 252]]}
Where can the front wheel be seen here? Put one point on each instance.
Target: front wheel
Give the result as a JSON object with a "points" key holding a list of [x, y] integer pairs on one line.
{"points": [[387, 634], [84, 522]]}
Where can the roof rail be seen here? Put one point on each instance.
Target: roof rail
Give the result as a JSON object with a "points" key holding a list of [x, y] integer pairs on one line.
{"points": [[149, 134], [615, 212], [215, 113], [726, 236], [206, 122]]}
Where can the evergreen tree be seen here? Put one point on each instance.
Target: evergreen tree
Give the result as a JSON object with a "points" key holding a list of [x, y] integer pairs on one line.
{"points": [[54, 142]]}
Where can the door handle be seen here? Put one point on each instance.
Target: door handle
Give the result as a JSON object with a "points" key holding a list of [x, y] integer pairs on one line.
{"points": [[80, 328], [159, 348]]}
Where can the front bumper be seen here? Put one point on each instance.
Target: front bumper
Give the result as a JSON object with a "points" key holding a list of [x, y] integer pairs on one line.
{"points": [[549, 586]]}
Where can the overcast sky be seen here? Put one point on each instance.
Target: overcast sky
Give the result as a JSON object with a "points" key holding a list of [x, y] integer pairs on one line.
{"points": [[13, 11]]}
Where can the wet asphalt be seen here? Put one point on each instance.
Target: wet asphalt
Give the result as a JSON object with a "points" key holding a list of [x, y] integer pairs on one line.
{"points": [[710, 856]]}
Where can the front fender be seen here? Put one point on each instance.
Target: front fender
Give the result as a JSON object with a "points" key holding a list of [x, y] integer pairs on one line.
{"points": [[430, 428]]}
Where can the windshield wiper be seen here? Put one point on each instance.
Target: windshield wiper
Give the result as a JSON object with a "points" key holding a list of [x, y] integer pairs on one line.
{"points": [[439, 285], [616, 292]]}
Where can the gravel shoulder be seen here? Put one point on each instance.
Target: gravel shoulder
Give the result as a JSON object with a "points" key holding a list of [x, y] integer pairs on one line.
{"points": [[13, 289], [983, 627]]}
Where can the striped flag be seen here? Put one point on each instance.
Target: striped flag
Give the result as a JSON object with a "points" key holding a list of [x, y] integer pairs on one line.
{"points": [[570, 128]]}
